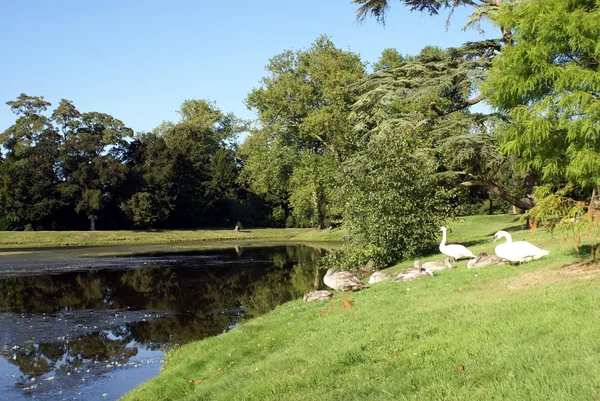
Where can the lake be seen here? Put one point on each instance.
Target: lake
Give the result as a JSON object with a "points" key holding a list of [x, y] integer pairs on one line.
{"points": [[93, 323]]}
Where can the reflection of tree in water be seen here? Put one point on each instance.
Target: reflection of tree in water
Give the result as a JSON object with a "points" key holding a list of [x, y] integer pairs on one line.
{"points": [[191, 301], [35, 360]]}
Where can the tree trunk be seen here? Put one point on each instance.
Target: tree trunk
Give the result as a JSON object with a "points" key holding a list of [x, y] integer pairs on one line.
{"points": [[317, 212], [594, 208], [92, 223]]}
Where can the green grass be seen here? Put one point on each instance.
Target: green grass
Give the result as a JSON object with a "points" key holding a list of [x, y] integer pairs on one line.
{"points": [[526, 332], [34, 239]]}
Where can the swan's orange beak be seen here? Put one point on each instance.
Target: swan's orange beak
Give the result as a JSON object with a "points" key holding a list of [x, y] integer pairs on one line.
{"points": [[495, 239]]}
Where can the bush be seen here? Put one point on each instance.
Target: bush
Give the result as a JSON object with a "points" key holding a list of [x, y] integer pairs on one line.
{"points": [[395, 203], [353, 257]]}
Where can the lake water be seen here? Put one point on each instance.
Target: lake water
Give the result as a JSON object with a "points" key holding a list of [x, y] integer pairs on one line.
{"points": [[84, 324]]}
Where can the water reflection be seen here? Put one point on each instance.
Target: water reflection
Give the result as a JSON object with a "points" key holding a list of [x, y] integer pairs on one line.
{"points": [[67, 333]]}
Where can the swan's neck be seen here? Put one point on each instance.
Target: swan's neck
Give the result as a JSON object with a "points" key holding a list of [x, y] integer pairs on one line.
{"points": [[508, 237], [443, 243]]}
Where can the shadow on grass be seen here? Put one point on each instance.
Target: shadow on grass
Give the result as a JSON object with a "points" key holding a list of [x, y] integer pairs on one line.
{"points": [[587, 250]]}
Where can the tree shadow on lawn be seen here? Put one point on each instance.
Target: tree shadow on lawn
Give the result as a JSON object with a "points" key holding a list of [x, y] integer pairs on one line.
{"points": [[587, 250]]}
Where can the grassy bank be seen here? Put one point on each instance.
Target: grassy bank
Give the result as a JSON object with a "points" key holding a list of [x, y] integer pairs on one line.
{"points": [[526, 332], [34, 239]]}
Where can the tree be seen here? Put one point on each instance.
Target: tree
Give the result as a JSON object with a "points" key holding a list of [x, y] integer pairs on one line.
{"points": [[313, 198], [550, 95], [429, 95], [378, 8], [29, 171], [390, 58], [150, 195], [183, 170], [472, 62], [302, 107], [92, 158]]}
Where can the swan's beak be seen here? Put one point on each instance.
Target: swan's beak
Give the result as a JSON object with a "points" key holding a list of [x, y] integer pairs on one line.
{"points": [[495, 239]]}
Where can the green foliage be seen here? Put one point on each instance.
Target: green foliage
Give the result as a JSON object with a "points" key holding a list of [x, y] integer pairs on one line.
{"points": [[87, 164], [378, 8], [290, 222], [278, 217], [306, 97], [557, 209], [91, 158], [352, 257], [549, 80], [293, 159], [189, 167], [313, 196], [268, 165], [144, 209], [150, 180], [390, 58], [28, 174], [393, 201]]}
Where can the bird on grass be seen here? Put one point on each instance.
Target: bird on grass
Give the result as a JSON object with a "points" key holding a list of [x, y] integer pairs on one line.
{"points": [[483, 259], [454, 250], [520, 251], [342, 280], [434, 266], [378, 277], [413, 273], [317, 295]]}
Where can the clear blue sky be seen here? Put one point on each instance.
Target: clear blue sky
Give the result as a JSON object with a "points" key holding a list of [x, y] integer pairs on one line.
{"points": [[139, 60]]}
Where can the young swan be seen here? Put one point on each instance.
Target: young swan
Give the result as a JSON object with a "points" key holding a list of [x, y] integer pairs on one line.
{"points": [[483, 259], [317, 295], [413, 273], [342, 281], [520, 251], [434, 266], [454, 250], [378, 277]]}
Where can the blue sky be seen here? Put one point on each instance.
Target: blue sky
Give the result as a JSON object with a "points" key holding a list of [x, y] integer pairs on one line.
{"points": [[139, 60]]}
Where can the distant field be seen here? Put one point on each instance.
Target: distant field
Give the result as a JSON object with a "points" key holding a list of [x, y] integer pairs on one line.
{"points": [[527, 332], [27, 239]]}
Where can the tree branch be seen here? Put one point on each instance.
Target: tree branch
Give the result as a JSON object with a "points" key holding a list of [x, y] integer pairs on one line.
{"points": [[522, 203], [464, 105]]}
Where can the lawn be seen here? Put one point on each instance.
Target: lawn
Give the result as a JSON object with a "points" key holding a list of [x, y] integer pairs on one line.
{"points": [[34, 239], [527, 332]]}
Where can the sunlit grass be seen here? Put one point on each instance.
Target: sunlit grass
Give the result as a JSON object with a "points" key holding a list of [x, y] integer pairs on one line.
{"points": [[527, 332], [25, 239]]}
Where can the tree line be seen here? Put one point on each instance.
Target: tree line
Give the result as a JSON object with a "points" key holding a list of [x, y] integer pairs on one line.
{"points": [[390, 153]]}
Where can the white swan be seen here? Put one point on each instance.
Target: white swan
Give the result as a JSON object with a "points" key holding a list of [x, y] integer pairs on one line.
{"points": [[454, 251], [520, 251]]}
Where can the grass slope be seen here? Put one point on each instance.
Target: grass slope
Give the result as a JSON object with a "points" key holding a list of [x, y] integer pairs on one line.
{"points": [[526, 332], [35, 239]]}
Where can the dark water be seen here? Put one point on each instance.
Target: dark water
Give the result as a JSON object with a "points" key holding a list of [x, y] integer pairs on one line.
{"points": [[96, 327]]}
